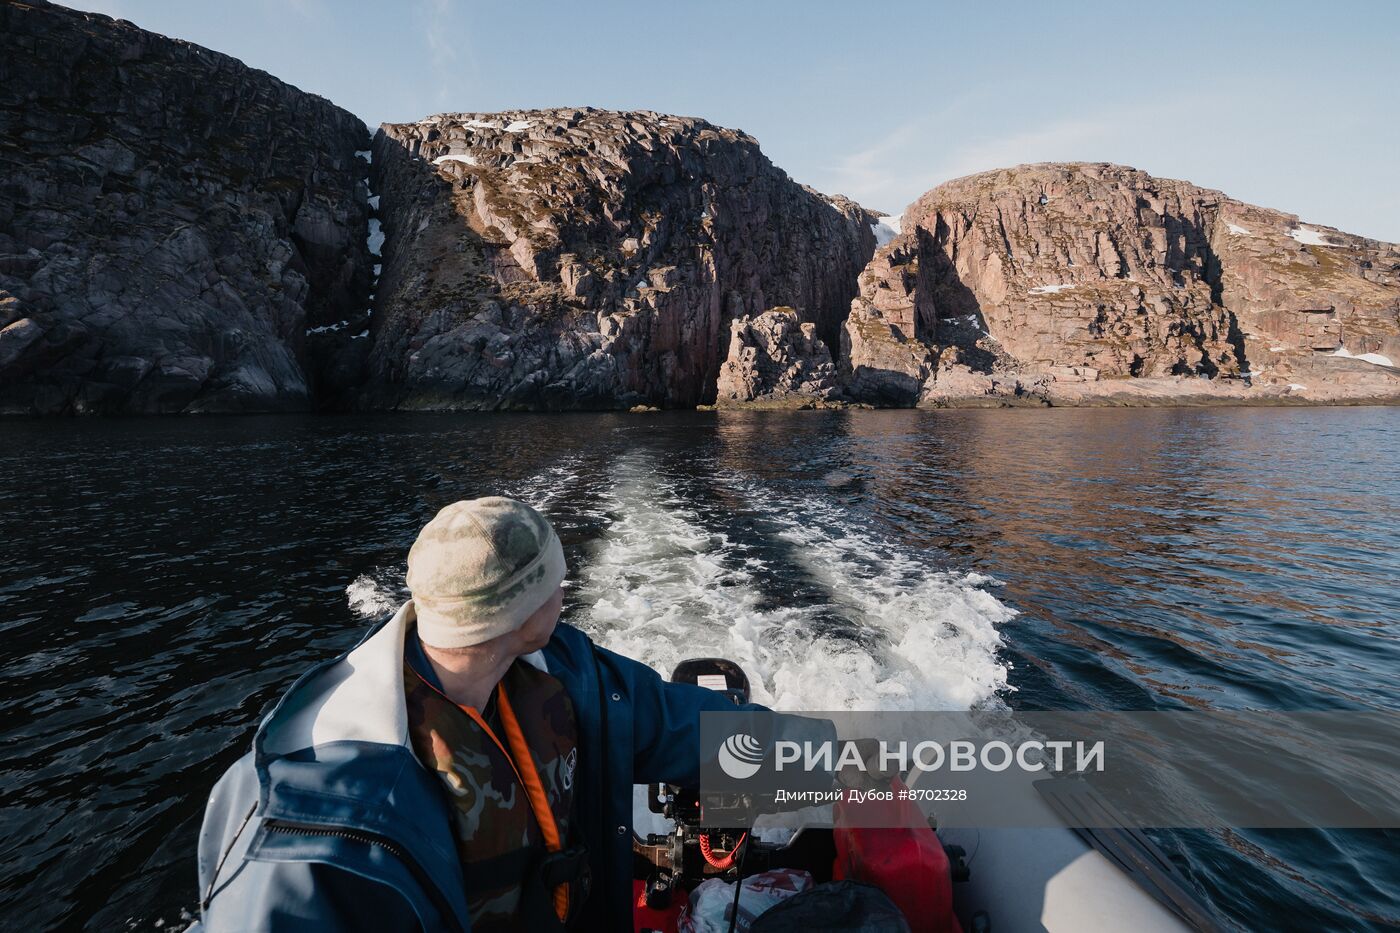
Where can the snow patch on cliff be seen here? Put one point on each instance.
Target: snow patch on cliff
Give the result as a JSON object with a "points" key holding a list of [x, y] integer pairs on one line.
{"points": [[886, 228], [328, 328], [455, 157], [1308, 236], [1374, 359], [1050, 289], [1237, 230]]}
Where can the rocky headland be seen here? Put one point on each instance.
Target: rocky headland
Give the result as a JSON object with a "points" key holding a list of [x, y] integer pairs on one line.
{"points": [[181, 233], [1091, 283]]}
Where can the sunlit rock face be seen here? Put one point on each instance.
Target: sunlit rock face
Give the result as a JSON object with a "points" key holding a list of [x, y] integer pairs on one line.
{"points": [[580, 258], [775, 360], [1065, 274], [172, 222]]}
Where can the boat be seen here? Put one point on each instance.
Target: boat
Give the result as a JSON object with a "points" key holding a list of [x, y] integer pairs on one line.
{"points": [[1060, 879]]}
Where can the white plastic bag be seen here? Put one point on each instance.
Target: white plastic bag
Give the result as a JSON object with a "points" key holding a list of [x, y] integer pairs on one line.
{"points": [[710, 903]]}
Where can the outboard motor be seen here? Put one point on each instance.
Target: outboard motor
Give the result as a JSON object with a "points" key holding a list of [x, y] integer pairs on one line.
{"points": [[686, 856], [716, 674], [668, 866], [906, 863]]}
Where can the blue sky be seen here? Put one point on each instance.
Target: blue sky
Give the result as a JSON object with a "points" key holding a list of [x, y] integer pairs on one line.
{"points": [[1289, 105]]}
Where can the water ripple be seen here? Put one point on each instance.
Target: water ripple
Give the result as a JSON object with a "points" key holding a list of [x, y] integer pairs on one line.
{"points": [[164, 581]]}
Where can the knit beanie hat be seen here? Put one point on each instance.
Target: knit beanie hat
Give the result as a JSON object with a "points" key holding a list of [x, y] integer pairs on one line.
{"points": [[480, 568]]}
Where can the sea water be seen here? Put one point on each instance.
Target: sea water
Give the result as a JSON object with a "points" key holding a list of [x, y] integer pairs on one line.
{"points": [[164, 580]]}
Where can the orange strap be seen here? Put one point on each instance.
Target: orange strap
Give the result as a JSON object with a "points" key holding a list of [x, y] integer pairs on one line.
{"points": [[523, 764], [534, 789]]}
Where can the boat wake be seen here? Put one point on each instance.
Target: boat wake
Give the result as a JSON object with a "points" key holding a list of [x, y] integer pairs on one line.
{"points": [[887, 632], [876, 627]]}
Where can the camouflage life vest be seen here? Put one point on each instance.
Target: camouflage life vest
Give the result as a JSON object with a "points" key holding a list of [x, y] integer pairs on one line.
{"points": [[499, 840]]}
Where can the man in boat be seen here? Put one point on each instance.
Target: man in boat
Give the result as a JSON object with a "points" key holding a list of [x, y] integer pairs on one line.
{"points": [[468, 766]]}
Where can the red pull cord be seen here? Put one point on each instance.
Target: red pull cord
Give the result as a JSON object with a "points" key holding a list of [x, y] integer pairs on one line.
{"points": [[716, 861]]}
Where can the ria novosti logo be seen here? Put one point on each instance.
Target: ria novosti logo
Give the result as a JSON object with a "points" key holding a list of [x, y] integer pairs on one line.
{"points": [[740, 756]]}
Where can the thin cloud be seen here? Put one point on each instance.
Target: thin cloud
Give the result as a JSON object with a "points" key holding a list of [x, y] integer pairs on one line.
{"points": [[868, 168], [920, 154], [306, 9], [441, 39], [1065, 141]]}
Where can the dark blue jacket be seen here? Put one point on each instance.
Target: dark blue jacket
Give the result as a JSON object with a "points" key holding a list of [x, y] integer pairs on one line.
{"points": [[330, 822]]}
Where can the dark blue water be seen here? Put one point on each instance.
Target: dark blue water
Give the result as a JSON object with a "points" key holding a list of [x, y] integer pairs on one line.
{"points": [[162, 581]]}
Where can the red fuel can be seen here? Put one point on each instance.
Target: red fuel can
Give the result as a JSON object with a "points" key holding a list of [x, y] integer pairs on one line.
{"points": [[888, 843], [648, 920]]}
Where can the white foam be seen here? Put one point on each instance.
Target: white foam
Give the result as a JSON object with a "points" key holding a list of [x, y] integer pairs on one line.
{"points": [[934, 637], [660, 587], [543, 489], [890, 633], [373, 599]]}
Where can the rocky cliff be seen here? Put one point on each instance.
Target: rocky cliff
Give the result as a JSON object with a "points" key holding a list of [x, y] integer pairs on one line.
{"points": [[171, 222], [568, 258], [777, 360], [179, 232], [1063, 282]]}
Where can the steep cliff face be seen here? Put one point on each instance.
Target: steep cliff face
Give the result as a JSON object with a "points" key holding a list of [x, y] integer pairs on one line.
{"points": [[1298, 290], [179, 232], [1009, 282], [562, 259], [171, 222]]}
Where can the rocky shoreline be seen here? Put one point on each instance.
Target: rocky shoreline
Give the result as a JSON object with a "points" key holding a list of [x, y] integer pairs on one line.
{"points": [[181, 233]]}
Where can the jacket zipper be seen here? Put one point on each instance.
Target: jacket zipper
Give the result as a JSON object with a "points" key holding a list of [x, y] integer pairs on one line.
{"points": [[388, 845]]}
